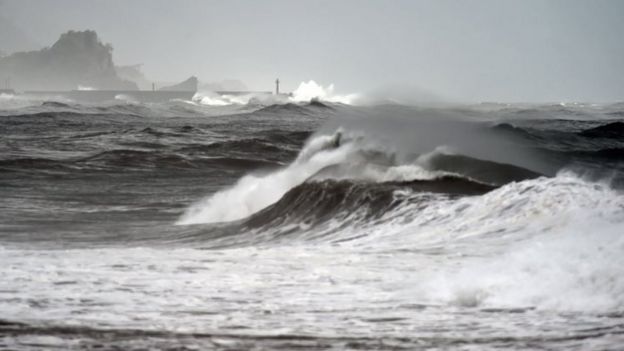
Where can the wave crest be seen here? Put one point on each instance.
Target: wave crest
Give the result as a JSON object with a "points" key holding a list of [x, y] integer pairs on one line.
{"points": [[341, 156]]}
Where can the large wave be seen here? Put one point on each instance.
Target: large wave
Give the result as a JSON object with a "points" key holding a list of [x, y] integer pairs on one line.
{"points": [[545, 243], [346, 156], [256, 191]]}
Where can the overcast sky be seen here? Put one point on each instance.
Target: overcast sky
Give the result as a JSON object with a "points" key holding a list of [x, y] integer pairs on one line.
{"points": [[490, 50]]}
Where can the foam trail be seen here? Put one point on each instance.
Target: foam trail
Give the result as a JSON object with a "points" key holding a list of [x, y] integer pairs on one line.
{"points": [[546, 243], [577, 267], [571, 265]]}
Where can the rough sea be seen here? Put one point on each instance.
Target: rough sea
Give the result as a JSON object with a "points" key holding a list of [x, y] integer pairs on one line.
{"points": [[310, 226]]}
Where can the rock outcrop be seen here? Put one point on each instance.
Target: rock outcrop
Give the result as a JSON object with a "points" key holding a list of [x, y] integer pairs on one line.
{"points": [[77, 59], [134, 74]]}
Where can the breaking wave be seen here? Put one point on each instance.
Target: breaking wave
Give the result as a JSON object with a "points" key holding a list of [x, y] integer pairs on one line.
{"points": [[306, 92], [539, 244], [544, 243], [311, 90], [340, 156]]}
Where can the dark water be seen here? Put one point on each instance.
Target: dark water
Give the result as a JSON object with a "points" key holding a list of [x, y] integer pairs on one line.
{"points": [[311, 226]]}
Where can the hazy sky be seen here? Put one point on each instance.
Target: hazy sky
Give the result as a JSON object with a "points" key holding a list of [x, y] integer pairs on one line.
{"points": [[492, 50]]}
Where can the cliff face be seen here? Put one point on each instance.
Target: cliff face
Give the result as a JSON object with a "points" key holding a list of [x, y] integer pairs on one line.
{"points": [[77, 59]]}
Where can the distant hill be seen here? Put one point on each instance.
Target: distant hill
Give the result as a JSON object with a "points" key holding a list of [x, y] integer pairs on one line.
{"points": [[188, 85], [77, 59]]}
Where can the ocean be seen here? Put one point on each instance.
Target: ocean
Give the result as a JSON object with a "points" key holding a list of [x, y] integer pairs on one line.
{"points": [[310, 226]]}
